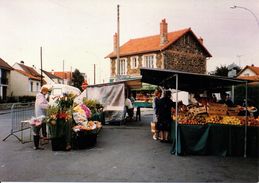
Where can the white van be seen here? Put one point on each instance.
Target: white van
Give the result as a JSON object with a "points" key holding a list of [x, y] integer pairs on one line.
{"points": [[58, 90]]}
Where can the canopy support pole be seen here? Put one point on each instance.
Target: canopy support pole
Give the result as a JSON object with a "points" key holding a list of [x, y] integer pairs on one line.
{"points": [[245, 143], [176, 114]]}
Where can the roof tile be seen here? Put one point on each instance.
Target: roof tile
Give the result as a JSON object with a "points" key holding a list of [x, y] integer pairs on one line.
{"points": [[150, 44], [5, 65]]}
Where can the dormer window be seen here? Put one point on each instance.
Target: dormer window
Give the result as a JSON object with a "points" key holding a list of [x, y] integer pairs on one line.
{"points": [[134, 62]]}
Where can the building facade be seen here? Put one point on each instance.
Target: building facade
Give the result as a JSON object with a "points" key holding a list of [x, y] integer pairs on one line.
{"points": [[5, 70], [29, 82], [180, 50]]}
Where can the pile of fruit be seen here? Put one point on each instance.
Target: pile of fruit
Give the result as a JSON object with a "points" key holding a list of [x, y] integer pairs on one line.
{"points": [[216, 119]]}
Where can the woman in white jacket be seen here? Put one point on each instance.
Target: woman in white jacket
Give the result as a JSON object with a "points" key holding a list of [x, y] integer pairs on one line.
{"points": [[41, 104]]}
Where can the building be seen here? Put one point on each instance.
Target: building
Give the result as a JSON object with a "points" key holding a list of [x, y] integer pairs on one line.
{"points": [[5, 70], [66, 76], [29, 82], [179, 50], [249, 72], [51, 78]]}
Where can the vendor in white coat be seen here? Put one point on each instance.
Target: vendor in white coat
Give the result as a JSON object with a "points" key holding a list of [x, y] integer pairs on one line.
{"points": [[41, 105]]}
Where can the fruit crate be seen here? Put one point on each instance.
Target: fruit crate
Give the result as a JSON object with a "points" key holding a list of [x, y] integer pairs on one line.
{"points": [[217, 109], [197, 110], [233, 111]]}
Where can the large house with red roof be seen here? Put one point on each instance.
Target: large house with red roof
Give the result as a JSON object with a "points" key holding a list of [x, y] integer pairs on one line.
{"points": [[179, 50], [5, 70]]}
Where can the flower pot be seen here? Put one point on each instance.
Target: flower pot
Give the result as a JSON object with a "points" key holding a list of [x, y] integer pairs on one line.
{"points": [[58, 143]]}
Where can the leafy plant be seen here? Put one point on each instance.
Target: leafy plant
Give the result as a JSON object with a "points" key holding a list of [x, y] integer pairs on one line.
{"points": [[93, 105]]}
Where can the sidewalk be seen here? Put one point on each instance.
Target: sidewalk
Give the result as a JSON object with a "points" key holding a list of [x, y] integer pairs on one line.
{"points": [[122, 154]]}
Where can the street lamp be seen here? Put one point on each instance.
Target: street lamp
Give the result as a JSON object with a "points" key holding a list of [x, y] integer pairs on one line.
{"points": [[244, 8]]}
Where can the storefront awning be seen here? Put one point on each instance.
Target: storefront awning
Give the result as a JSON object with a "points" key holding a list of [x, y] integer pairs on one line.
{"points": [[129, 83], [187, 81]]}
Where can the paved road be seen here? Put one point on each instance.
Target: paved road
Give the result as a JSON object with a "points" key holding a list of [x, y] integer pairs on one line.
{"points": [[123, 153]]}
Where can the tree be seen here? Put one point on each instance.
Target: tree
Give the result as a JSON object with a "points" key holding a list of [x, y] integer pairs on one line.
{"points": [[221, 71], [224, 70], [77, 79]]}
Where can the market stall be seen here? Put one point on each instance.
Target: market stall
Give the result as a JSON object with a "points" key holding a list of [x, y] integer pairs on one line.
{"points": [[112, 97], [72, 125], [193, 133]]}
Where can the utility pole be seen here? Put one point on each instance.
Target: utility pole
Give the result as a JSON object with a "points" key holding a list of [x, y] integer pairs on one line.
{"points": [[63, 72], [71, 75], [41, 77], [118, 42], [94, 73]]}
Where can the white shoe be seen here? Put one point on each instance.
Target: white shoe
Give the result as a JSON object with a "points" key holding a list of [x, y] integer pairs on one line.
{"points": [[154, 137]]}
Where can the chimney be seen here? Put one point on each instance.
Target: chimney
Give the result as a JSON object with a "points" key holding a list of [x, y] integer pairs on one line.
{"points": [[22, 62], [201, 40], [115, 40], [163, 32], [52, 71]]}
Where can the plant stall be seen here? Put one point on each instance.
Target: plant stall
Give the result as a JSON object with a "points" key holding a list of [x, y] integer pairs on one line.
{"points": [[71, 125]]}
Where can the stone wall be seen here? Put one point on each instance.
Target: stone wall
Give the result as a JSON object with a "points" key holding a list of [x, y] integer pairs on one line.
{"points": [[185, 55], [113, 67]]}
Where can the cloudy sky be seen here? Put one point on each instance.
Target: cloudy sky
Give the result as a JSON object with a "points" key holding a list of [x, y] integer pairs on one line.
{"points": [[80, 32]]}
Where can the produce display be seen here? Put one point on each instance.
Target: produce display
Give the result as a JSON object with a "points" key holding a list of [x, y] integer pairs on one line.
{"points": [[215, 114]]}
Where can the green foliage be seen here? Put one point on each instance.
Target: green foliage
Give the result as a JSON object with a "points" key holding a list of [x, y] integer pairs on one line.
{"points": [[93, 105], [65, 102], [77, 79], [221, 71]]}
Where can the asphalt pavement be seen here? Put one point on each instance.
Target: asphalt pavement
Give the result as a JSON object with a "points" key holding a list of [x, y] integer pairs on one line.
{"points": [[125, 153]]}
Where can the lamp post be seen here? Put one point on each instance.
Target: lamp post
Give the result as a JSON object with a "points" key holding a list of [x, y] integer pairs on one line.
{"points": [[244, 8]]}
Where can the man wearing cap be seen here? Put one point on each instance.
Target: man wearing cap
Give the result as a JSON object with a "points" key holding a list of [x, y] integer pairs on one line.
{"points": [[41, 104]]}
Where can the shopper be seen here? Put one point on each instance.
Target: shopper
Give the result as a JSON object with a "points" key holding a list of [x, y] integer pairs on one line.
{"points": [[156, 99], [164, 112], [41, 104], [129, 108]]}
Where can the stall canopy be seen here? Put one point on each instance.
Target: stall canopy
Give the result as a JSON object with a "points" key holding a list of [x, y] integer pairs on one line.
{"points": [[190, 82], [111, 96], [187, 81]]}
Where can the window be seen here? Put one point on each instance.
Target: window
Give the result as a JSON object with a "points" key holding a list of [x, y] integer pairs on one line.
{"points": [[123, 67], [149, 61], [31, 86], [37, 87], [134, 62]]}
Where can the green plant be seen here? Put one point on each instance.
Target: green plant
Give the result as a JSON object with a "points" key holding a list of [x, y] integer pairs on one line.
{"points": [[93, 105]]}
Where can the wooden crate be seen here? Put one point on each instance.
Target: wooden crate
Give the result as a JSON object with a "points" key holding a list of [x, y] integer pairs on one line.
{"points": [[233, 111], [217, 109], [197, 110]]}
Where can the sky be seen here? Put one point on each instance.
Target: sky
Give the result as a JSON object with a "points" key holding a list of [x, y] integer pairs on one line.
{"points": [[76, 34]]}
